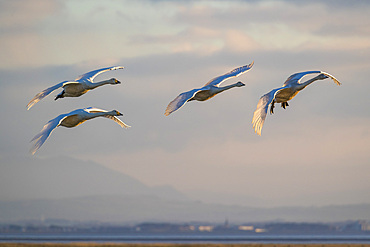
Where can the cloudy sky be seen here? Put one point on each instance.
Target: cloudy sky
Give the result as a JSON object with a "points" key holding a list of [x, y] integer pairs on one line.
{"points": [[316, 152]]}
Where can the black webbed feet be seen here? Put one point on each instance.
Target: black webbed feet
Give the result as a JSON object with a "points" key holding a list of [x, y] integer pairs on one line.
{"points": [[59, 96]]}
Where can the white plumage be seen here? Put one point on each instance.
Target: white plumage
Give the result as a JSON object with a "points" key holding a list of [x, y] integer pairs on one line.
{"points": [[73, 119], [209, 90], [282, 95], [77, 87]]}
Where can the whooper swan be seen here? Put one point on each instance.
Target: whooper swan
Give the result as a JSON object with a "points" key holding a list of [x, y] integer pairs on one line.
{"points": [[73, 119], [78, 87], [208, 90], [282, 95]]}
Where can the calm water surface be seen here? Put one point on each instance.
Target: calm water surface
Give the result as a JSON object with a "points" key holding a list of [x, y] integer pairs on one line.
{"points": [[168, 238]]}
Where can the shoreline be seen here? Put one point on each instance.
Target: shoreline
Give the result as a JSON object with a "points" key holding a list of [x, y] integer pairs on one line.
{"points": [[84, 244]]}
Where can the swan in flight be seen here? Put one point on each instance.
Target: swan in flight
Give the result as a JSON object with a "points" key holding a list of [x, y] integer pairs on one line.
{"points": [[282, 95], [78, 87], [73, 119], [208, 90]]}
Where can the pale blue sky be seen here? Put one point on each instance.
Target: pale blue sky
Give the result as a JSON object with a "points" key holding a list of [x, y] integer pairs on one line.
{"points": [[315, 152]]}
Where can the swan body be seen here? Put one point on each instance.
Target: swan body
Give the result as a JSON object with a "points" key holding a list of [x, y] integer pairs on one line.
{"points": [[78, 87], [288, 91], [208, 91], [73, 119]]}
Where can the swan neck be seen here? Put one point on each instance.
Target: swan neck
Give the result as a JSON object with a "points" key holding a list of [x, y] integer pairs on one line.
{"points": [[99, 83], [308, 82], [227, 87], [99, 114]]}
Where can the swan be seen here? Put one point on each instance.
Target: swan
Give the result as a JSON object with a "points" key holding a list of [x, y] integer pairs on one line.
{"points": [[282, 95], [78, 87], [73, 119], [208, 90]]}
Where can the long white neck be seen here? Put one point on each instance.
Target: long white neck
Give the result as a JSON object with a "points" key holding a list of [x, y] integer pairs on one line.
{"points": [[100, 114], [99, 83], [306, 83], [221, 89]]}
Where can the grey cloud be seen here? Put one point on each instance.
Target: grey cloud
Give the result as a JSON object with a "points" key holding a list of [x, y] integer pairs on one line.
{"points": [[315, 16], [22, 14]]}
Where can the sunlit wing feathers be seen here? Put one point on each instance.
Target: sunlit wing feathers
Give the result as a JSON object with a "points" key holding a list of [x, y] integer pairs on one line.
{"points": [[92, 74], [41, 137], [179, 101], [93, 109], [295, 78], [260, 113], [117, 120], [332, 77], [236, 72], [114, 118], [43, 94]]}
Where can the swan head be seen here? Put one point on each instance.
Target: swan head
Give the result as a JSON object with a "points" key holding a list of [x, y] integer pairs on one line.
{"points": [[114, 81], [117, 113], [240, 84], [322, 76]]}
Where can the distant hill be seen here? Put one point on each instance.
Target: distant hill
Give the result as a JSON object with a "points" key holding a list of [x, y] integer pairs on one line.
{"points": [[69, 189], [63, 177], [123, 209]]}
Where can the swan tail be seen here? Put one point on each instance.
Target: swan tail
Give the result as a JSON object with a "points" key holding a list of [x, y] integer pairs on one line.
{"points": [[43, 94]]}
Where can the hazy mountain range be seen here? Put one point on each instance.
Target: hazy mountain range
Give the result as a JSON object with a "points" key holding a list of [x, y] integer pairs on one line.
{"points": [[64, 177], [70, 189]]}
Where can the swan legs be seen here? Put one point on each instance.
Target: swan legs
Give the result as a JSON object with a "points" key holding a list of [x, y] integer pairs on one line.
{"points": [[283, 104], [272, 107], [61, 95]]}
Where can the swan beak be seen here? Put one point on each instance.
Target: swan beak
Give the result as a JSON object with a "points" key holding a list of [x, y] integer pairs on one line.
{"points": [[118, 82], [119, 114]]}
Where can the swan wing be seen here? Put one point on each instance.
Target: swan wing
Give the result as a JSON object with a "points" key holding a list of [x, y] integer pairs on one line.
{"points": [[295, 78], [117, 120], [41, 137], [332, 77], [92, 74], [43, 94], [114, 118], [180, 100], [260, 113], [93, 110], [234, 73]]}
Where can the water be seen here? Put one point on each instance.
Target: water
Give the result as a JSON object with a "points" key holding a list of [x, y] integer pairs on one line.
{"points": [[168, 238]]}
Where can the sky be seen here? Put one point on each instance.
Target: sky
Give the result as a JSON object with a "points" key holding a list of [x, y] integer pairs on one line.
{"points": [[316, 152]]}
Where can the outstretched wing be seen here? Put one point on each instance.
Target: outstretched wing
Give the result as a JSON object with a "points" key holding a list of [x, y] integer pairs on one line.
{"points": [[295, 78], [92, 74], [119, 121], [234, 73], [179, 101], [43, 94], [41, 137], [332, 77], [114, 118], [260, 113]]}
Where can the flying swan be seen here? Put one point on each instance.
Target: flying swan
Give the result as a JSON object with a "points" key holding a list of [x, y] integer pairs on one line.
{"points": [[282, 95], [208, 90], [78, 87], [73, 119]]}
